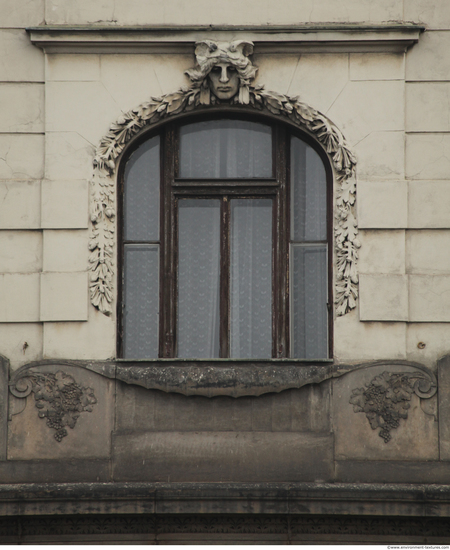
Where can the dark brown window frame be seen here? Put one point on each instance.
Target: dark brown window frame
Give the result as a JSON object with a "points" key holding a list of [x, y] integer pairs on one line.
{"points": [[172, 188]]}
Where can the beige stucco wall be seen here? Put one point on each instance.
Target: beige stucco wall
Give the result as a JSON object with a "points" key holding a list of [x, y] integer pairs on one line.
{"points": [[393, 108]]}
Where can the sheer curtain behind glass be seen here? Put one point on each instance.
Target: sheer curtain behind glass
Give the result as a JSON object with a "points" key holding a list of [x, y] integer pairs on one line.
{"points": [[226, 149], [198, 278], [309, 286], [251, 278]]}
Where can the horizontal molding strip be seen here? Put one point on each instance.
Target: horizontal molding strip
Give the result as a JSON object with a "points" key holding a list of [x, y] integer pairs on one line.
{"points": [[268, 39]]}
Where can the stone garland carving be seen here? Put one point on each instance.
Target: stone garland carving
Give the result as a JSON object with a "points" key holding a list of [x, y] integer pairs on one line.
{"points": [[385, 400], [223, 76], [58, 397]]}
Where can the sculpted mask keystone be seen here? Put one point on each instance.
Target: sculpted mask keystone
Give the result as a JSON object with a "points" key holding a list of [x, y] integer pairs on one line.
{"points": [[224, 69]]}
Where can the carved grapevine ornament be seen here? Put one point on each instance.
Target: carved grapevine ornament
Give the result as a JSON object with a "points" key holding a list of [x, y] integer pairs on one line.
{"points": [[385, 400], [58, 398], [201, 95]]}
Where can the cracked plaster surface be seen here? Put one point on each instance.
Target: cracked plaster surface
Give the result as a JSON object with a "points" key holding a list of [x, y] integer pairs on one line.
{"points": [[14, 164]]}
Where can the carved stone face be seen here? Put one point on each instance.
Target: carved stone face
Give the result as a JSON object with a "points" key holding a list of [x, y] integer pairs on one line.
{"points": [[224, 81]]}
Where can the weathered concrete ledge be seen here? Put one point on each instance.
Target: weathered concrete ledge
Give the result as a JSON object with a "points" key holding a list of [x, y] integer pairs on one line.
{"points": [[211, 378], [259, 498]]}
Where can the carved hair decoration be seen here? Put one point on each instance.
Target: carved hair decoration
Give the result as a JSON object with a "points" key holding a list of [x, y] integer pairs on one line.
{"points": [[223, 75]]}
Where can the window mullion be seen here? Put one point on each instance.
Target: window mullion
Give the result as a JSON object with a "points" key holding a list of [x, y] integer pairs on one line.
{"points": [[280, 312], [225, 278], [168, 281]]}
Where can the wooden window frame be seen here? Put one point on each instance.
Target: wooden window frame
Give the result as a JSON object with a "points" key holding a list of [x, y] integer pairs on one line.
{"points": [[172, 188]]}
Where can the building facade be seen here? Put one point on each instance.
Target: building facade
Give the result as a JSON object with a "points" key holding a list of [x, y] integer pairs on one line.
{"points": [[224, 276]]}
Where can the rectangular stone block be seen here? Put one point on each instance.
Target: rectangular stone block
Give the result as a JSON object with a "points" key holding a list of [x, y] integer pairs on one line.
{"points": [[84, 108], [382, 205], [383, 297], [21, 61], [430, 59], [381, 156], [435, 15], [377, 66], [54, 471], [222, 456], [68, 153], [444, 407], [22, 13], [318, 78], [415, 437], [368, 341], [64, 296], [65, 250], [64, 204], [73, 67], [136, 12], [30, 437], [427, 107], [123, 79], [21, 156], [426, 156], [429, 204], [374, 471], [382, 251], [95, 340], [364, 107], [21, 342], [20, 205], [435, 336], [19, 296], [429, 297], [21, 108], [425, 252], [21, 251]]}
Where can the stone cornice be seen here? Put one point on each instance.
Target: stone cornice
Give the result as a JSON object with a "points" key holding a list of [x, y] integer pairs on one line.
{"points": [[374, 499], [268, 39]]}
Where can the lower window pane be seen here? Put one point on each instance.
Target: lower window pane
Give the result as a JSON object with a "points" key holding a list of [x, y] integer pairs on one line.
{"points": [[198, 278], [251, 278], [141, 301], [309, 302]]}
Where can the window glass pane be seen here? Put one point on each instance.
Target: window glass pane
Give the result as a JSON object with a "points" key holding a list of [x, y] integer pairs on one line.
{"points": [[251, 278], [309, 194], [225, 149], [309, 302], [198, 278], [141, 190], [141, 301]]}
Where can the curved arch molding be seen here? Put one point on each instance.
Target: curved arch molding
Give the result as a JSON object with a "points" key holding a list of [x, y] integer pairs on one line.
{"points": [[292, 109]]}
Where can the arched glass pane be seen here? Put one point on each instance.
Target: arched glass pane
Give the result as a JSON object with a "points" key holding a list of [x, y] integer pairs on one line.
{"points": [[309, 265], [141, 193], [308, 193], [225, 149]]}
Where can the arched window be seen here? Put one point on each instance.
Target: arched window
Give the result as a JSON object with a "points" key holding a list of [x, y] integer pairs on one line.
{"points": [[224, 243]]}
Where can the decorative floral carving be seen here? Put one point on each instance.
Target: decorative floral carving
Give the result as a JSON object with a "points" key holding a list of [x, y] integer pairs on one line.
{"points": [[58, 397], [200, 95], [386, 399]]}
